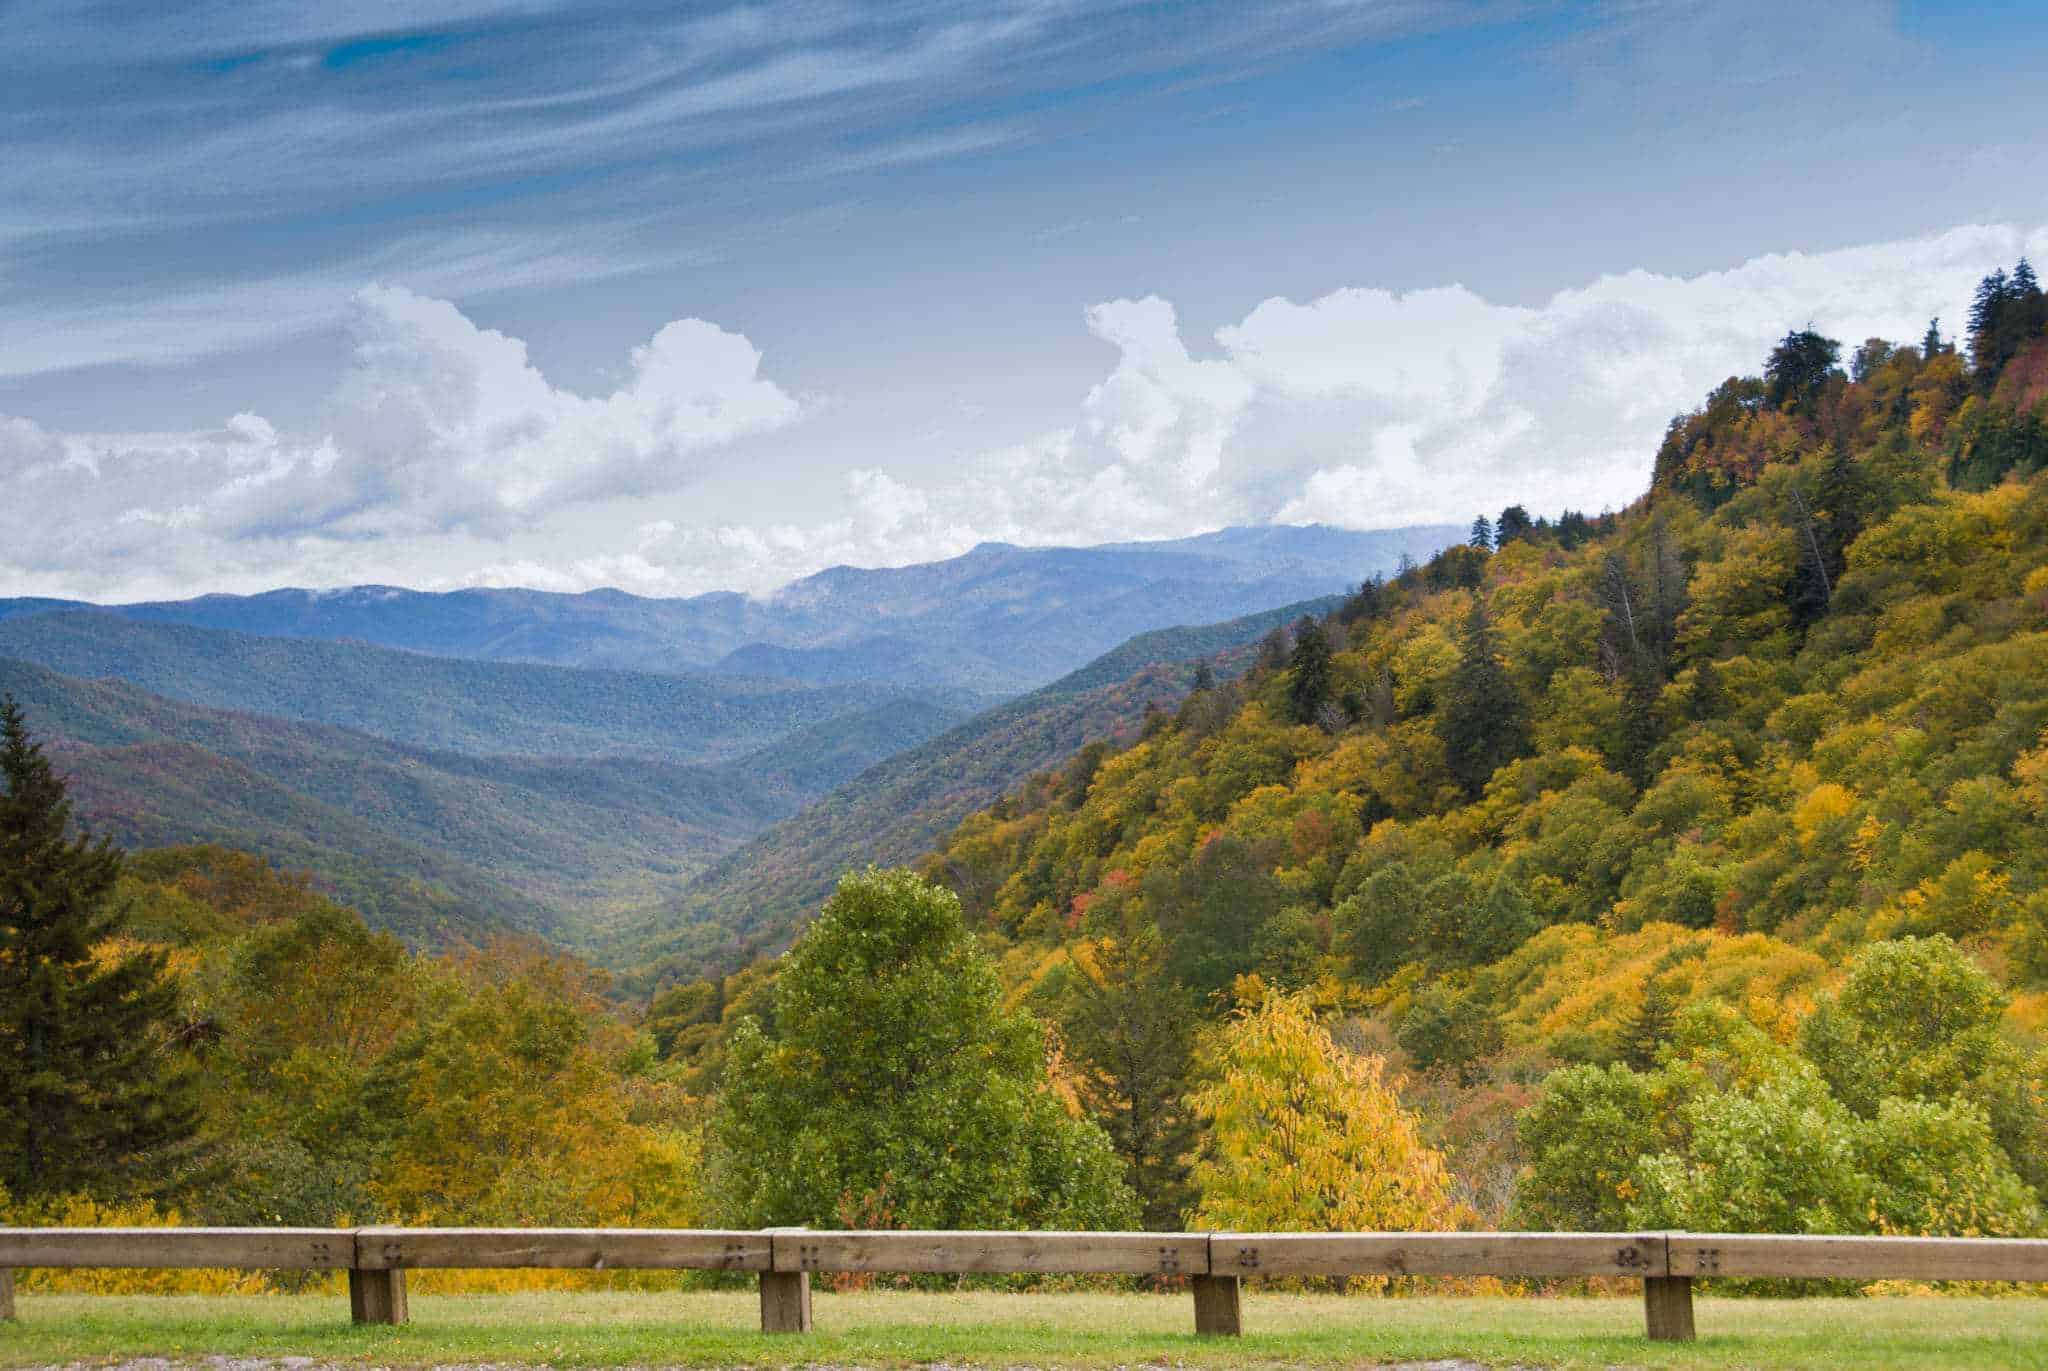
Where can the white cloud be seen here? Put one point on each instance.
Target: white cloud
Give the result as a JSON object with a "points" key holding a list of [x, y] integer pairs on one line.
{"points": [[451, 459], [446, 423], [166, 326], [438, 426]]}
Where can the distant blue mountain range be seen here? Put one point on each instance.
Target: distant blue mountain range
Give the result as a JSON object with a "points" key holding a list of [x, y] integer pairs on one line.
{"points": [[997, 620]]}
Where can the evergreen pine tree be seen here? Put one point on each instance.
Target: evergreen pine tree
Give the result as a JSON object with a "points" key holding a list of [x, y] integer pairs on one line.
{"points": [[90, 1086], [1704, 700], [1931, 345], [1640, 731], [1985, 311], [1134, 1028], [1482, 721], [1311, 666], [1826, 525], [1514, 522], [1482, 533], [1205, 676], [1648, 1029], [1843, 496], [1364, 603], [2028, 308]]}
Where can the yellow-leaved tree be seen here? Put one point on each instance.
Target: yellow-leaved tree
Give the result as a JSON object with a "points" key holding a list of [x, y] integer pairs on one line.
{"points": [[1304, 1136]]}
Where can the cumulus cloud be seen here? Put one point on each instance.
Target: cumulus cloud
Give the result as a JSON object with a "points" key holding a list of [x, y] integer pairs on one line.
{"points": [[1368, 408], [446, 424], [438, 427], [451, 459]]}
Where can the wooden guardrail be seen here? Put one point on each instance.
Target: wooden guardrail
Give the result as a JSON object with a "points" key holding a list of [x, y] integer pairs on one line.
{"points": [[1216, 1264]]}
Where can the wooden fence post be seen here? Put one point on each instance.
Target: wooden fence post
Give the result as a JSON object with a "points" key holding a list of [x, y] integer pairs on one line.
{"points": [[785, 1295], [6, 1292], [1667, 1308], [376, 1296], [1218, 1306]]}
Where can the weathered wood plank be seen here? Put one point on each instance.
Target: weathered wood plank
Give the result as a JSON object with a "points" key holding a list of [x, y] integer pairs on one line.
{"points": [[377, 1296], [785, 1301], [6, 1292], [1859, 1258], [261, 1249], [1437, 1254], [1219, 1307], [594, 1249], [1667, 1308], [1143, 1254]]}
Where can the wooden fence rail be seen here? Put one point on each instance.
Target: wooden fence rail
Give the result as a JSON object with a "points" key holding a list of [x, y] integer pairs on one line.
{"points": [[1216, 1264]]}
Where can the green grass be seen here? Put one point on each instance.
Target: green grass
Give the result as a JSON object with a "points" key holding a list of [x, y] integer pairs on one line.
{"points": [[1039, 1330]]}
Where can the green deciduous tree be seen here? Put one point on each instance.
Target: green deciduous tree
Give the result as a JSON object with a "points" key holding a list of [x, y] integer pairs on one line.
{"points": [[92, 1089], [1586, 1136], [1379, 927], [1449, 1028], [1917, 1020], [1785, 1156], [893, 1070], [1210, 911]]}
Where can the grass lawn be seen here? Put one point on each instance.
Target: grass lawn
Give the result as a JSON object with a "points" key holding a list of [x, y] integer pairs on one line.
{"points": [[1039, 1330]]}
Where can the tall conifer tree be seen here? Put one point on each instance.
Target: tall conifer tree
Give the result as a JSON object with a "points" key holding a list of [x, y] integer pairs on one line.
{"points": [[1482, 720], [90, 1083], [1311, 666]]}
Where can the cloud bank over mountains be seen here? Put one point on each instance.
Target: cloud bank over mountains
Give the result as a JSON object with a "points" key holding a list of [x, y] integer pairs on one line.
{"points": [[446, 457]]}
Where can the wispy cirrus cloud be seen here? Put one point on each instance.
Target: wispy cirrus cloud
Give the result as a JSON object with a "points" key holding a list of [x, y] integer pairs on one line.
{"points": [[203, 318], [293, 137]]}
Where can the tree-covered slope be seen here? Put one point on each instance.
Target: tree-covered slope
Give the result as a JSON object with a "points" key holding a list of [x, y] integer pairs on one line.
{"points": [[892, 813], [488, 708], [1712, 802], [343, 1078], [432, 843]]}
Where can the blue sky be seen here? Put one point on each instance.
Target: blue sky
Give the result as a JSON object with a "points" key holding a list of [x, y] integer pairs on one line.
{"points": [[691, 296]]}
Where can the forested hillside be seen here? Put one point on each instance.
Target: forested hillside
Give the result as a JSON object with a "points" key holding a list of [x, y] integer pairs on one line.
{"points": [[757, 896], [1625, 796], [1688, 860], [336, 1074], [486, 708], [435, 844]]}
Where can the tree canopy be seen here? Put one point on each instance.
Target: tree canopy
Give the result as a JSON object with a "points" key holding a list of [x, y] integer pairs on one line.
{"points": [[894, 1083]]}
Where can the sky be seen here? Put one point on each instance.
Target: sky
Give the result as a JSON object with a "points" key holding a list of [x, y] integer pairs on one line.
{"points": [[684, 297]]}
